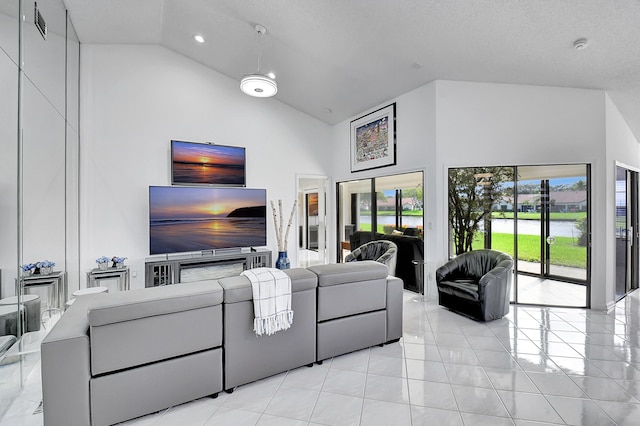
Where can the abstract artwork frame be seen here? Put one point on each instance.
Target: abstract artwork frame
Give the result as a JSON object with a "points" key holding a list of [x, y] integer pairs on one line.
{"points": [[373, 139]]}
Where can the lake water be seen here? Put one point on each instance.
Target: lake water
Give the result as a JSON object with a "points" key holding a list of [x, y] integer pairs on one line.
{"points": [[502, 226], [532, 227]]}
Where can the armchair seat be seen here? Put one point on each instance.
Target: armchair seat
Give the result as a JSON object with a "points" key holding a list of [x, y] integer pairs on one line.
{"points": [[476, 284], [467, 289]]}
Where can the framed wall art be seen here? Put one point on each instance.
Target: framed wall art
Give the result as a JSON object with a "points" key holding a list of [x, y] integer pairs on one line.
{"points": [[373, 140]]}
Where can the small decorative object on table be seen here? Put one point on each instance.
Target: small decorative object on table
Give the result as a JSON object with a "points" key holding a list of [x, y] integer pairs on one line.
{"points": [[103, 262], [118, 262], [282, 234], [27, 269], [46, 267]]}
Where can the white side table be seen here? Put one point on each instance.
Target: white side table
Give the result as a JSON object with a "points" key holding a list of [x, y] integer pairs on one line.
{"points": [[90, 290], [121, 274], [84, 292]]}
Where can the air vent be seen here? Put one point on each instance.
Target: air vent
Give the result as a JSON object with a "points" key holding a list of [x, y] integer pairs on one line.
{"points": [[41, 25]]}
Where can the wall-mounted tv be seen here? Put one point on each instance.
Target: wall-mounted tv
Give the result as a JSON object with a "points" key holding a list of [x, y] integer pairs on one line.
{"points": [[195, 163], [184, 219]]}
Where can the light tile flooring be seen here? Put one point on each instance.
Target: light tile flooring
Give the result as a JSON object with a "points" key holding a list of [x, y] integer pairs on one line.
{"points": [[541, 291], [536, 366]]}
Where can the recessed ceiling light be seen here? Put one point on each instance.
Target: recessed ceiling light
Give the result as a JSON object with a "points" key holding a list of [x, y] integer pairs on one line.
{"points": [[198, 38], [327, 110], [416, 66], [580, 44]]}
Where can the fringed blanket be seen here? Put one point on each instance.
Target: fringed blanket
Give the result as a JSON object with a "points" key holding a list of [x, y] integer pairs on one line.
{"points": [[271, 300]]}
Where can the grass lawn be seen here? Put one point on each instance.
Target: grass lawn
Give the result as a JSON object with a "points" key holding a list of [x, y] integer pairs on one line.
{"points": [[565, 251], [393, 213], [536, 216]]}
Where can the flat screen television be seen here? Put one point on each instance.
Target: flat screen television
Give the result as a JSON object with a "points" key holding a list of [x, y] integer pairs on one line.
{"points": [[195, 163], [186, 219]]}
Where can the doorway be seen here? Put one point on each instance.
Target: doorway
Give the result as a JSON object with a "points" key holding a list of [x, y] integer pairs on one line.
{"points": [[311, 217]]}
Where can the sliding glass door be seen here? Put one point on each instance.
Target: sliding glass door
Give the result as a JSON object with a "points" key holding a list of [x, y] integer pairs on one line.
{"points": [[552, 215], [539, 215], [381, 205], [626, 231]]}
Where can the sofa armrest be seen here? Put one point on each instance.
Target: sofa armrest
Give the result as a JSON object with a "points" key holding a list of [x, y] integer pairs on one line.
{"points": [[66, 367], [395, 288]]}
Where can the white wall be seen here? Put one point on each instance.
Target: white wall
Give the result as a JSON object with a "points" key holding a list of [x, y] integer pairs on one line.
{"points": [[415, 151], [135, 99], [454, 124], [483, 124], [621, 147]]}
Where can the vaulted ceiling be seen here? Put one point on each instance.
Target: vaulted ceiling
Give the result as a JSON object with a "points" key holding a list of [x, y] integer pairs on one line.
{"points": [[334, 59]]}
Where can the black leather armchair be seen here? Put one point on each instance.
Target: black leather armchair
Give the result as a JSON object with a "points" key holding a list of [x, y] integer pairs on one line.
{"points": [[381, 251], [409, 249], [477, 284]]}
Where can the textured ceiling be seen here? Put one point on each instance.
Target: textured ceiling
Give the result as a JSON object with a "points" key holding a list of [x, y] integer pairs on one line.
{"points": [[349, 56]]}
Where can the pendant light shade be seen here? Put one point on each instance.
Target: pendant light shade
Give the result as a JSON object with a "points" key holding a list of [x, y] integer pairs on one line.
{"points": [[257, 84]]}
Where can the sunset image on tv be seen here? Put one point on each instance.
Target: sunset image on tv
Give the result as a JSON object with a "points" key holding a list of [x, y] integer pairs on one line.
{"points": [[183, 219], [198, 163]]}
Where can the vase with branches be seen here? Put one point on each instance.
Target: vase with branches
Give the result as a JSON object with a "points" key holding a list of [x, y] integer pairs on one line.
{"points": [[282, 233]]}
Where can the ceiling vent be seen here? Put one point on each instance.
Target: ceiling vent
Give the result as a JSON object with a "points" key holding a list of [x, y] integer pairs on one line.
{"points": [[38, 20]]}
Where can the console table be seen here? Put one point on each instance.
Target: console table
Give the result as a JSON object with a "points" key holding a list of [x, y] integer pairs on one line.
{"points": [[56, 283], [121, 274], [169, 269]]}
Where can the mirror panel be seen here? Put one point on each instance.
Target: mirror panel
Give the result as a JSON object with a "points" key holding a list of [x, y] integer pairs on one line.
{"points": [[8, 173], [43, 179], [73, 77], [9, 28], [44, 60]]}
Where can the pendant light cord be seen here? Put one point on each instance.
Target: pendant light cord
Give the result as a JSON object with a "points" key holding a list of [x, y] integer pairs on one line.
{"points": [[259, 49]]}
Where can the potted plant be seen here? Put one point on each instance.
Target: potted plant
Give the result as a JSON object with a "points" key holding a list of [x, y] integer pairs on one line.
{"points": [[118, 262], [28, 269], [103, 262], [46, 267]]}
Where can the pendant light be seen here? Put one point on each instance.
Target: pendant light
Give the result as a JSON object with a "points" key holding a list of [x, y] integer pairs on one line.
{"points": [[259, 85]]}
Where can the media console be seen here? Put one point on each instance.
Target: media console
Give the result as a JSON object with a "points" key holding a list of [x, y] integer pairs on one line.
{"points": [[167, 270]]}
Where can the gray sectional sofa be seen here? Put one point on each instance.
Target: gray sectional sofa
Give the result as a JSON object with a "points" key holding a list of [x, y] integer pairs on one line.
{"points": [[117, 356]]}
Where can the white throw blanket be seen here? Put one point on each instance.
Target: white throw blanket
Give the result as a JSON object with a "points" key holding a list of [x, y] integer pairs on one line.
{"points": [[271, 300]]}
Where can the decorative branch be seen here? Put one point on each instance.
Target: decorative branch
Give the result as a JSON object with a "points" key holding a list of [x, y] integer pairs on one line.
{"points": [[281, 247], [286, 235], [282, 235], [275, 223]]}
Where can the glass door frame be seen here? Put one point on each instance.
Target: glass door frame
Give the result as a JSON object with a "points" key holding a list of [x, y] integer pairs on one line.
{"points": [[374, 206], [545, 258], [544, 249], [631, 231]]}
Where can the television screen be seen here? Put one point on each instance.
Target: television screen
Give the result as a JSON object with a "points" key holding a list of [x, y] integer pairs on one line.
{"points": [[207, 164], [183, 219]]}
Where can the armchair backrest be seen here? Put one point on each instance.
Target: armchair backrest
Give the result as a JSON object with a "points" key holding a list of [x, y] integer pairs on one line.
{"points": [[474, 264], [381, 251]]}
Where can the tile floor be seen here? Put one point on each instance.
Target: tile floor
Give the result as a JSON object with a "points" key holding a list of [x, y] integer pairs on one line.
{"points": [[537, 366]]}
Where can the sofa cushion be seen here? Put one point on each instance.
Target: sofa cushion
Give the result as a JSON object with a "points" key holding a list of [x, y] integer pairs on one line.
{"points": [[238, 289], [138, 327], [351, 272], [148, 302], [351, 288]]}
